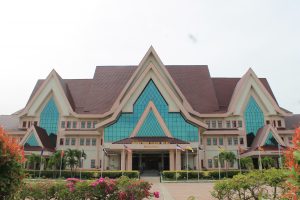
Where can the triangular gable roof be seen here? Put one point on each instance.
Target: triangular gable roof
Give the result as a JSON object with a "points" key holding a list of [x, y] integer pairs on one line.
{"points": [[150, 111], [262, 136], [61, 86], [44, 140], [240, 88], [134, 82]]}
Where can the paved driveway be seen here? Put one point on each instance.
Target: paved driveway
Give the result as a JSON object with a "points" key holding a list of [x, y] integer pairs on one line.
{"points": [[181, 191]]}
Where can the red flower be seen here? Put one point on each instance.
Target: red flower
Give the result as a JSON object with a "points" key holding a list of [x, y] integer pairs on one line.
{"points": [[156, 194]]}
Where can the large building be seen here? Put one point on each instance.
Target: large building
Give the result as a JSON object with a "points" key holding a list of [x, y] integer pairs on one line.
{"points": [[138, 117]]}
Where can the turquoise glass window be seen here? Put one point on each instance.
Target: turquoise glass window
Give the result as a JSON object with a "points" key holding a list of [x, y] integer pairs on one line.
{"points": [[150, 127], [32, 141], [49, 117], [254, 117], [174, 121], [271, 141]]}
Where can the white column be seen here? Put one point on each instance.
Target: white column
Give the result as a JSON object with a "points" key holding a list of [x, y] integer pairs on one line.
{"points": [[129, 161], [171, 158], [178, 160], [123, 160]]}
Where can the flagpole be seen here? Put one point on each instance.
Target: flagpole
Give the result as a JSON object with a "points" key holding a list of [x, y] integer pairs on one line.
{"points": [[40, 167], [176, 162], [279, 156], [219, 165], [259, 156], [60, 164], [80, 160], [187, 164]]}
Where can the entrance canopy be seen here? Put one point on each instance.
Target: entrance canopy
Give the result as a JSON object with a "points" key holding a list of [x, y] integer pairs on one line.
{"points": [[150, 140]]}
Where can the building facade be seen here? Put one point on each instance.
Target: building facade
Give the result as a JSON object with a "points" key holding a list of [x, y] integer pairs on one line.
{"points": [[142, 117]]}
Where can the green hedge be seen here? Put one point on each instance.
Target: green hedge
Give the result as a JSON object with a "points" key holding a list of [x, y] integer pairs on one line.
{"points": [[84, 174], [193, 175]]}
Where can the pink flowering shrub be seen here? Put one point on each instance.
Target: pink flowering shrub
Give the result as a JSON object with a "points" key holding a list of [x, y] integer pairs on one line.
{"points": [[100, 189]]}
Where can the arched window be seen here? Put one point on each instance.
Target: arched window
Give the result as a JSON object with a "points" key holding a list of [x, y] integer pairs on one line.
{"points": [[49, 117]]}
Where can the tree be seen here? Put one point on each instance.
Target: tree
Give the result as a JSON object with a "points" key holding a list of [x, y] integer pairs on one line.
{"points": [[55, 161], [34, 160], [11, 161], [73, 157], [292, 162], [247, 163], [228, 157], [267, 162]]}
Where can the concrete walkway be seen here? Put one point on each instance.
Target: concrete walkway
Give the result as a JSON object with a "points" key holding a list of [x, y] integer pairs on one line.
{"points": [[180, 191]]}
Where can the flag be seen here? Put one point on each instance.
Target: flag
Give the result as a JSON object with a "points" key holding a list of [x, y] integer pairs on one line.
{"points": [[260, 148], [179, 147], [189, 148], [42, 151], [62, 153], [127, 148], [221, 149]]}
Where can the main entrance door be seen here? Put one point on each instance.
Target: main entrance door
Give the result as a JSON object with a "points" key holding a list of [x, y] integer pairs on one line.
{"points": [[150, 161]]}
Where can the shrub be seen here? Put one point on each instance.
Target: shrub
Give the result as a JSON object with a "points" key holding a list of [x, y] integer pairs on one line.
{"points": [[84, 174], [254, 185], [11, 159], [74, 189]]}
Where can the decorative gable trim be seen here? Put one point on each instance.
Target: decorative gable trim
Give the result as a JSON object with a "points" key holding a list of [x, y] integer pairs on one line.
{"points": [[275, 134], [28, 134], [151, 107]]}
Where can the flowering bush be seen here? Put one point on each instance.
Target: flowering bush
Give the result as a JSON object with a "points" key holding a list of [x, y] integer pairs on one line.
{"points": [[292, 162], [11, 159], [100, 189]]}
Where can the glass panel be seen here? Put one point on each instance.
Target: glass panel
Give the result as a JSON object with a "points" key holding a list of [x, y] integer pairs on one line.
{"points": [[93, 141], [254, 117], [49, 117], [151, 127], [271, 141], [81, 141], [32, 141], [175, 122], [220, 141]]}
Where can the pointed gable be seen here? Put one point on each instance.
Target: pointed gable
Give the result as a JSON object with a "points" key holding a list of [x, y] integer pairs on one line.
{"points": [[271, 141], [31, 140], [150, 127]]}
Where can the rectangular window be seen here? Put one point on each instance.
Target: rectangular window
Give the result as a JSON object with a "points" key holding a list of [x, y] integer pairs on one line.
{"points": [[63, 124], [234, 124], [228, 124], [213, 124], [240, 123], [61, 141], [73, 141], [94, 124], [29, 124], [89, 124], [68, 124], [35, 123], [208, 141], [93, 141], [74, 125], [67, 141], [221, 141], [279, 123], [229, 139], [83, 124], [93, 163], [220, 124], [236, 141], [208, 123], [24, 124], [268, 122], [88, 142], [209, 161], [215, 141], [81, 141], [241, 140], [274, 123]]}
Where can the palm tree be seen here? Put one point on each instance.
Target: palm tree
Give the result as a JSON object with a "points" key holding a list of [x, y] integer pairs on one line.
{"points": [[33, 160], [228, 157], [79, 155], [247, 163], [267, 162], [71, 159], [55, 161]]}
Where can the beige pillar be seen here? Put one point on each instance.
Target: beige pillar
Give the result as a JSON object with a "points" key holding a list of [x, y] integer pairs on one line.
{"points": [[172, 160], [178, 160], [129, 161], [123, 160]]}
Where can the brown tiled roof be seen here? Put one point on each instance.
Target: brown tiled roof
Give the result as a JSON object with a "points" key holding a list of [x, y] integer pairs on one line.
{"points": [[97, 95], [37, 148], [48, 141], [9, 122], [151, 139], [292, 122]]}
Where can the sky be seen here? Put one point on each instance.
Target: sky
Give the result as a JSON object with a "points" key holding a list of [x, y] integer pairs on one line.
{"points": [[73, 37]]}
